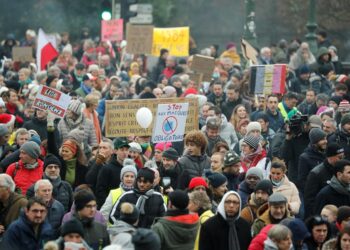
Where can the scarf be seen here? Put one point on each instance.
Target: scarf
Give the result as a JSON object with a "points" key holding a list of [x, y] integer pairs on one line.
{"points": [[125, 187], [141, 201], [251, 160], [233, 241], [86, 89], [30, 166], [71, 124], [70, 170], [339, 186], [94, 118], [277, 184]]}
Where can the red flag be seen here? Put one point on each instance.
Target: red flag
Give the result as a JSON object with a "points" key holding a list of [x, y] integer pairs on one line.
{"points": [[45, 51]]}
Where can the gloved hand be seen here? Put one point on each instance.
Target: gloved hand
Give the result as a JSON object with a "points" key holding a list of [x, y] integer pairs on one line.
{"points": [[50, 119], [100, 159]]}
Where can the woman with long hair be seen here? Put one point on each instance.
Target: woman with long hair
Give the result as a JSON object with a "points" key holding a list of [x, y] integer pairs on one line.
{"points": [[239, 113]]}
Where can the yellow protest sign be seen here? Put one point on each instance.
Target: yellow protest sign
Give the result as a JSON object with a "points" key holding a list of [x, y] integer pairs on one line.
{"points": [[176, 40], [121, 115]]}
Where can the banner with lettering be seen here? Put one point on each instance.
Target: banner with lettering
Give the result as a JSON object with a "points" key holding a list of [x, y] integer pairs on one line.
{"points": [[52, 100], [176, 40], [268, 79], [112, 30]]}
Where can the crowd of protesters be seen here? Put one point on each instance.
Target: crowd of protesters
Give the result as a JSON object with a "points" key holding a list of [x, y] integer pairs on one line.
{"points": [[261, 172]]}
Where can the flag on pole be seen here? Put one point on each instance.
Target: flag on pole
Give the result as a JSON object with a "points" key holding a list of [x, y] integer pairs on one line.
{"points": [[45, 50]]}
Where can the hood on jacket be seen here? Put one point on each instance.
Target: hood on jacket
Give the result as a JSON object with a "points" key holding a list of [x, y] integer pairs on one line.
{"points": [[270, 245], [223, 121], [221, 207], [120, 227], [322, 51]]}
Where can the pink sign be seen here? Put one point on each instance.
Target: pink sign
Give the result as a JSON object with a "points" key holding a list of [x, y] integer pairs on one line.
{"points": [[112, 30]]}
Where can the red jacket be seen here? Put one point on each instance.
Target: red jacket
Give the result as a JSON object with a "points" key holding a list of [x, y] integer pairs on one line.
{"points": [[258, 241], [24, 178]]}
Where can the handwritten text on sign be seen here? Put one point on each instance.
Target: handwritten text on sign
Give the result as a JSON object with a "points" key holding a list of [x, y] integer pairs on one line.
{"points": [[170, 122], [176, 40], [121, 120], [112, 30], [51, 100]]}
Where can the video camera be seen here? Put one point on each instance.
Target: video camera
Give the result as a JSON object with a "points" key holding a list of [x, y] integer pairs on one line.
{"points": [[296, 123]]}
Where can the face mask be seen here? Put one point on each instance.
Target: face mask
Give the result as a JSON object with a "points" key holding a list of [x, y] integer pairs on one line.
{"points": [[216, 75]]}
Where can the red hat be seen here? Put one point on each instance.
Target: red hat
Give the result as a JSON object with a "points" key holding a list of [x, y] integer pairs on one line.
{"points": [[230, 45], [190, 91], [7, 119], [197, 181], [162, 146]]}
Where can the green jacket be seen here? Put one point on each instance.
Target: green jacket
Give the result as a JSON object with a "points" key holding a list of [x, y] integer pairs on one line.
{"points": [[177, 232]]}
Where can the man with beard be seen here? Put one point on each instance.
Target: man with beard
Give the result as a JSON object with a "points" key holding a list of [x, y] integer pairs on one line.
{"points": [[247, 187], [212, 134], [337, 191], [260, 196], [272, 212], [226, 230], [313, 155]]}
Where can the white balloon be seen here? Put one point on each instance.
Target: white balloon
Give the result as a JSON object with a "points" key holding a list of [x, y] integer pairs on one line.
{"points": [[201, 100], [144, 117]]}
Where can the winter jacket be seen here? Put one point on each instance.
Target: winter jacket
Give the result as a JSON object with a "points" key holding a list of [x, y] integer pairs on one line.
{"points": [[330, 244], [55, 213], [173, 173], [248, 213], [290, 191], [334, 193], [111, 199], [62, 192], [60, 243], [211, 143], [291, 151], [307, 161], [216, 100], [202, 219], [316, 180], [97, 218], [192, 166], [153, 207], [92, 174], [276, 121], [40, 126], [177, 232], [244, 192], [95, 233], [258, 241], [10, 210], [233, 181], [214, 232], [20, 235], [321, 84], [89, 131], [228, 107], [80, 170], [108, 179], [24, 177], [307, 108], [343, 139], [121, 235]]}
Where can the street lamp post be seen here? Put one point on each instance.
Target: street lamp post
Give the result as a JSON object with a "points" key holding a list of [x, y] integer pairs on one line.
{"points": [[249, 24], [311, 27]]}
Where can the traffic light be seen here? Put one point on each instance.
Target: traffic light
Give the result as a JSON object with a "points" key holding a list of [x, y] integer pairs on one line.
{"points": [[106, 10], [125, 12]]}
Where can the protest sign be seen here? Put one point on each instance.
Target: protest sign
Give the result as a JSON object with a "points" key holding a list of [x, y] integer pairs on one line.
{"points": [[139, 39], [249, 52], [22, 54], [197, 79], [121, 115], [204, 65], [52, 100], [268, 79], [176, 40], [170, 122], [112, 30]]}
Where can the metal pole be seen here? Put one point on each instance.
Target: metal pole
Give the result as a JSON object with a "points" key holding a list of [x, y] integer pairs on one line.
{"points": [[113, 9], [311, 27], [249, 24]]}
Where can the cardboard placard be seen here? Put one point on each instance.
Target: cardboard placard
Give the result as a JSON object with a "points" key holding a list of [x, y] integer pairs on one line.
{"points": [[204, 65], [139, 39], [52, 100], [22, 54], [112, 30], [176, 40], [121, 115], [197, 78], [249, 52]]}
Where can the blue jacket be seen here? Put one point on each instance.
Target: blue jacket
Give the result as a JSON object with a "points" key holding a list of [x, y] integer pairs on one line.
{"points": [[20, 235]]}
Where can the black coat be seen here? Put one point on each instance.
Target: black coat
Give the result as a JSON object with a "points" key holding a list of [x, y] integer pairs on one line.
{"points": [[316, 180], [343, 140], [307, 161], [214, 234], [154, 207], [40, 126], [108, 179]]}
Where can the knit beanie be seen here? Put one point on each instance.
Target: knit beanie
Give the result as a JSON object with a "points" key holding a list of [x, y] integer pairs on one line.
{"points": [[171, 154], [145, 239], [255, 171], [336, 99], [75, 106], [253, 126], [161, 146], [264, 185], [343, 213], [179, 199], [72, 226], [344, 106], [316, 135], [129, 213], [135, 147], [216, 179], [128, 166], [32, 149], [51, 159], [147, 174], [252, 141], [333, 149], [197, 181], [82, 198], [36, 139], [231, 158], [345, 119]]}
